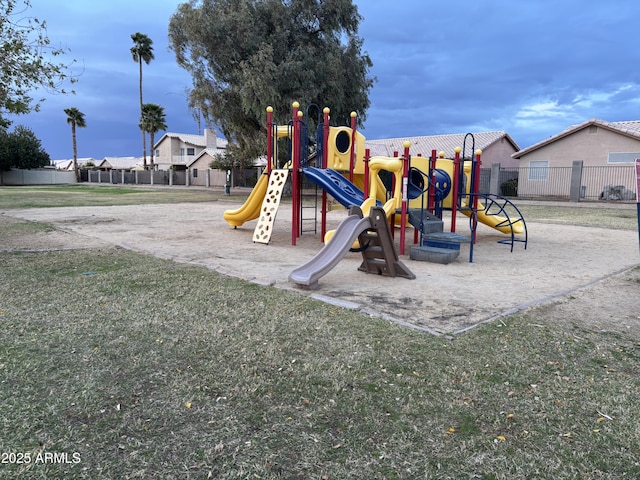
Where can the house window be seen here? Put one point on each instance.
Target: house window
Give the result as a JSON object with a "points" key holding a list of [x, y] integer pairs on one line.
{"points": [[191, 151], [539, 170], [195, 173], [593, 129], [618, 158]]}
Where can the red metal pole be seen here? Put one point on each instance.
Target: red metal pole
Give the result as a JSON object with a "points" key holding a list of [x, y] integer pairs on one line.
{"points": [[352, 156], [393, 181], [432, 180], [325, 138], [367, 155], [299, 192], [294, 177], [416, 232], [454, 187], [405, 183], [269, 139], [325, 157]]}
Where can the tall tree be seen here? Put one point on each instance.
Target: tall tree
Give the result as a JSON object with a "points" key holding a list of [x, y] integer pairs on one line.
{"points": [[76, 119], [142, 51], [153, 120], [27, 60], [21, 149], [244, 55]]}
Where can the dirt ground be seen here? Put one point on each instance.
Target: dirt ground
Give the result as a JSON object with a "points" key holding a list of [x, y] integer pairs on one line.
{"points": [[584, 273]]}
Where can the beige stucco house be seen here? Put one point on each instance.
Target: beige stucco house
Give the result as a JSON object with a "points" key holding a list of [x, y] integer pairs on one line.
{"points": [[606, 150], [179, 151], [594, 142], [199, 168]]}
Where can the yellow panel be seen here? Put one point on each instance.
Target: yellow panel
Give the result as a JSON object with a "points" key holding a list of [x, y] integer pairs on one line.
{"points": [[283, 131], [445, 164], [339, 149]]}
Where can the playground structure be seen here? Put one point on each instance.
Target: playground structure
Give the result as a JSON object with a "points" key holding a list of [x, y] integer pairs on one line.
{"points": [[379, 255], [418, 190]]}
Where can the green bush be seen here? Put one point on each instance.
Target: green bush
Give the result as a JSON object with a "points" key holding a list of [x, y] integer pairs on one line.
{"points": [[509, 188]]}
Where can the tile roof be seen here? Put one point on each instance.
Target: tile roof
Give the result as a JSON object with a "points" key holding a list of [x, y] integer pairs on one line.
{"points": [[62, 164], [212, 152], [447, 143], [67, 163], [121, 162], [197, 140], [629, 128]]}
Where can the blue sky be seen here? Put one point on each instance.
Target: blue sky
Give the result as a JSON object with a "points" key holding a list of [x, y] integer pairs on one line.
{"points": [[529, 68]]}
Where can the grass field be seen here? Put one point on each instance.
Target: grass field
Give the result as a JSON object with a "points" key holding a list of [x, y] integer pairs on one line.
{"points": [[95, 196], [595, 216], [105, 195], [120, 365]]}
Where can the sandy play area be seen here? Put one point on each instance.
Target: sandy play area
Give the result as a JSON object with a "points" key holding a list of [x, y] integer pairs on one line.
{"points": [[562, 264]]}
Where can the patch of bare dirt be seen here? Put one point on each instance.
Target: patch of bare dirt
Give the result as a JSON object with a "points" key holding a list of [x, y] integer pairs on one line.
{"points": [[578, 273], [611, 305], [27, 237]]}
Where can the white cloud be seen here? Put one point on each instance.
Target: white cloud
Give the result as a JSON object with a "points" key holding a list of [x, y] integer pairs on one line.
{"points": [[542, 109]]}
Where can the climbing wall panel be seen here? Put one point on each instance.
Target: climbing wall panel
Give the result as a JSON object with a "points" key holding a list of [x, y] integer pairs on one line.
{"points": [[270, 204]]}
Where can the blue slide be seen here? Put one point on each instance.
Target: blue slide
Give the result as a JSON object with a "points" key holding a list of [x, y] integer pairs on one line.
{"points": [[336, 185]]}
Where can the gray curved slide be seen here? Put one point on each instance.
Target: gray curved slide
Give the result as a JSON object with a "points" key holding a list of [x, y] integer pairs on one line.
{"points": [[317, 267]]}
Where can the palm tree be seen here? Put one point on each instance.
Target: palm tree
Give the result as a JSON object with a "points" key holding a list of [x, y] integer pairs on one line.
{"points": [[153, 120], [76, 119], [142, 51]]}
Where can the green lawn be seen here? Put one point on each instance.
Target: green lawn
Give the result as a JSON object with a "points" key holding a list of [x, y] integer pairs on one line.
{"points": [[95, 196], [596, 216], [120, 365], [103, 357], [106, 195]]}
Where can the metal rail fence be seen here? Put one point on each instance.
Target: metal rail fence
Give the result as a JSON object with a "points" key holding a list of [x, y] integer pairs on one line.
{"points": [[190, 177], [616, 182], [609, 183], [562, 183]]}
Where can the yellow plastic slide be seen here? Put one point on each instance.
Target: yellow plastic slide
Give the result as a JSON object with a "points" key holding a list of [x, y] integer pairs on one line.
{"points": [[390, 164], [495, 221], [251, 207], [377, 189], [358, 181]]}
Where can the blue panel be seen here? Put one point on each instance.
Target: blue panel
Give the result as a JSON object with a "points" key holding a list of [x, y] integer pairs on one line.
{"points": [[336, 185]]}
